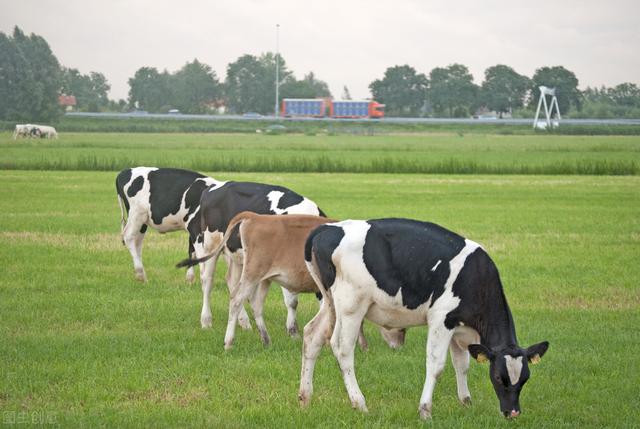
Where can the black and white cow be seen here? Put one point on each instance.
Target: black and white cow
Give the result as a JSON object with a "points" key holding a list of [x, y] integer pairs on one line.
{"points": [[400, 273], [166, 199], [218, 206]]}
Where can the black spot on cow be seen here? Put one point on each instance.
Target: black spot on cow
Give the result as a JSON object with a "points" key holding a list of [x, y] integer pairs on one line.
{"points": [[322, 241], [289, 199], [478, 283], [121, 180], [234, 243], [401, 253], [143, 228], [167, 187], [135, 187]]}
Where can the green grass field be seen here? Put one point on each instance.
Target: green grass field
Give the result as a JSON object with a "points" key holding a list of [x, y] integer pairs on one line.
{"points": [[82, 344], [447, 153]]}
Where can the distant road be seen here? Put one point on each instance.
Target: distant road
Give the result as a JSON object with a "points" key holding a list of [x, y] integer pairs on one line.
{"points": [[384, 120]]}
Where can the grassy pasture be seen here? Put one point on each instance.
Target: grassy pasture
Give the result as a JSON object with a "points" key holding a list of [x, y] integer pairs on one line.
{"points": [[433, 153], [84, 345]]}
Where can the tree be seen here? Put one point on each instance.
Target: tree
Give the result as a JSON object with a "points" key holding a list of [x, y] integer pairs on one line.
{"points": [[346, 95], [195, 84], [565, 82], [90, 90], [503, 89], [308, 87], [250, 83], [626, 94], [452, 90], [402, 90], [149, 89], [30, 78]]}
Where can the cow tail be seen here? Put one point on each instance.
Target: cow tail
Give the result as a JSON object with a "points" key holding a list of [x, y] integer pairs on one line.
{"points": [[124, 206], [190, 262], [123, 220], [311, 261]]}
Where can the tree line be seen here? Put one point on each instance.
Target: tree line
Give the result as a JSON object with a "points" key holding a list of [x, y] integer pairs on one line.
{"points": [[31, 79]]}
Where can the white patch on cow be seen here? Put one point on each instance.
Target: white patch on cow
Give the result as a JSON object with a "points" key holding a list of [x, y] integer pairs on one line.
{"points": [[350, 253], [306, 206], [216, 184], [514, 368], [436, 265], [448, 301], [274, 198]]}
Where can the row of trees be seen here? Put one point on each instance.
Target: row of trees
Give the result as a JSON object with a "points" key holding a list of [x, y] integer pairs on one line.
{"points": [[31, 79], [195, 88], [450, 91]]}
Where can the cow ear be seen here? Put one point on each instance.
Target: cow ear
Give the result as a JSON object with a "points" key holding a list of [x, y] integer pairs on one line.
{"points": [[480, 353], [535, 352]]}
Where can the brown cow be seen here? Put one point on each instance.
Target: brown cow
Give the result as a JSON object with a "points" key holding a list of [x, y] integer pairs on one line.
{"points": [[273, 250]]}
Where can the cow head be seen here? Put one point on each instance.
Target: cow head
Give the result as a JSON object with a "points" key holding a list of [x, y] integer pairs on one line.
{"points": [[509, 371]]}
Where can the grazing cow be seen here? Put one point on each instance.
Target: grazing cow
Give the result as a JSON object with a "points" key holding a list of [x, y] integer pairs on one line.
{"points": [[166, 199], [47, 131], [218, 205], [400, 273], [26, 130], [272, 251], [21, 130]]}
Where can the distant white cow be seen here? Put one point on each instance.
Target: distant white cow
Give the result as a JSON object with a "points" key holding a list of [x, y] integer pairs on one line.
{"points": [[22, 130], [33, 130], [47, 131]]}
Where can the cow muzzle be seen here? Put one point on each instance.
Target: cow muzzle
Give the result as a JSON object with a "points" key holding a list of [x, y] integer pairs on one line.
{"points": [[511, 414]]}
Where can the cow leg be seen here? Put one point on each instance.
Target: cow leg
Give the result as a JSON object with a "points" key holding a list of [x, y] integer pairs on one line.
{"points": [[349, 316], [190, 276], [235, 264], [291, 302], [460, 360], [238, 296], [257, 304], [133, 236], [437, 344], [362, 340], [207, 272], [315, 335]]}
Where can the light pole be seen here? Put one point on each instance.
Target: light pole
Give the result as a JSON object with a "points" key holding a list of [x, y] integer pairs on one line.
{"points": [[277, 109]]}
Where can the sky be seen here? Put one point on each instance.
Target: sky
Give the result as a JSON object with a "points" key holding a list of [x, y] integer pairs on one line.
{"points": [[343, 42]]}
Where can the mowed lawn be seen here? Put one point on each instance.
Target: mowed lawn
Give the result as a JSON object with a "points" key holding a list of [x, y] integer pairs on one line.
{"points": [[82, 344]]}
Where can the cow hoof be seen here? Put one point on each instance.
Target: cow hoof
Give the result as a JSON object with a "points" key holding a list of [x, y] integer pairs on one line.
{"points": [[190, 277], [466, 402], [303, 399], [228, 345], [293, 332], [141, 276], [206, 322], [360, 406], [266, 340], [425, 412]]}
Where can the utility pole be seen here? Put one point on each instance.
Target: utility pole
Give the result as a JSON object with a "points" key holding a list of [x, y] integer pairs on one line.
{"points": [[277, 108]]}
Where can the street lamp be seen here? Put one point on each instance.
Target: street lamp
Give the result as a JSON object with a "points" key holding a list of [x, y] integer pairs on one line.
{"points": [[277, 108]]}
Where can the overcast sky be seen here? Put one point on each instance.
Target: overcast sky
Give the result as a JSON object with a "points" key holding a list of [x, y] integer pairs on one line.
{"points": [[344, 42]]}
